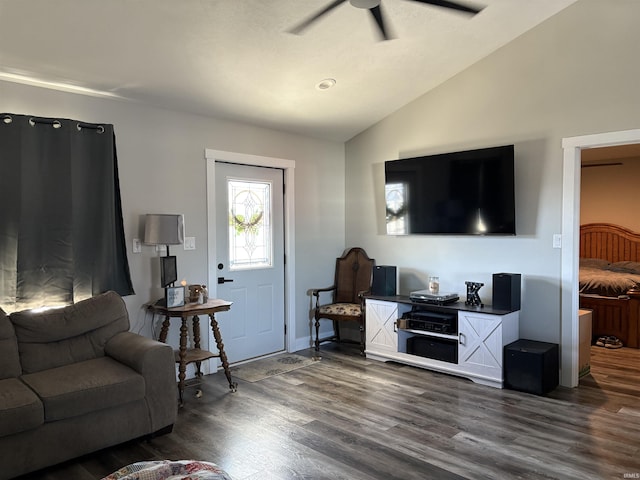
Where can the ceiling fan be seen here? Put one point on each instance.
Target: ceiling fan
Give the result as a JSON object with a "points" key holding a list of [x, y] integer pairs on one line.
{"points": [[376, 12]]}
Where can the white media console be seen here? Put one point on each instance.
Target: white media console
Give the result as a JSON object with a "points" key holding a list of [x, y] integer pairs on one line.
{"points": [[473, 348]]}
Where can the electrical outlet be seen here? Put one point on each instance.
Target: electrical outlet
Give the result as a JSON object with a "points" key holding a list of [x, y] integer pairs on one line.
{"points": [[137, 246], [189, 243]]}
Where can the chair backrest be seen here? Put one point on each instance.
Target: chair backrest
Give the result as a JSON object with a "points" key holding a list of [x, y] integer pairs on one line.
{"points": [[354, 274]]}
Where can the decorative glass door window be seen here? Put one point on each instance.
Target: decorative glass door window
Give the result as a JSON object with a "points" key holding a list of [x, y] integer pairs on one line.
{"points": [[250, 227]]}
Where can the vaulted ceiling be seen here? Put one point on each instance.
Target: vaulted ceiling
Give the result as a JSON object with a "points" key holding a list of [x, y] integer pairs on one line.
{"points": [[237, 60]]}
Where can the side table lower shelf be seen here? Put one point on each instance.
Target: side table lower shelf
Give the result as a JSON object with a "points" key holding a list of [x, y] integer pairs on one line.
{"points": [[195, 355]]}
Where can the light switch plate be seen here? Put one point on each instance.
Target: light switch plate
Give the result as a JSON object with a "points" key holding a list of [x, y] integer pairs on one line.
{"points": [[189, 243], [137, 246]]}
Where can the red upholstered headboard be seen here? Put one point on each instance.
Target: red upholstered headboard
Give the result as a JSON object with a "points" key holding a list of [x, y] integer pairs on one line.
{"points": [[609, 242]]}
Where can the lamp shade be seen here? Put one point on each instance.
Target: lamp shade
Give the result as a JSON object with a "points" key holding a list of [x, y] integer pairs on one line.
{"points": [[163, 229]]}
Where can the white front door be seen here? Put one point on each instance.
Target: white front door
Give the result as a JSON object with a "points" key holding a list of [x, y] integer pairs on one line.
{"points": [[250, 259]]}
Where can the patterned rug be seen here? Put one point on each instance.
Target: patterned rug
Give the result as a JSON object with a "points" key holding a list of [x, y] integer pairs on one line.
{"points": [[268, 367]]}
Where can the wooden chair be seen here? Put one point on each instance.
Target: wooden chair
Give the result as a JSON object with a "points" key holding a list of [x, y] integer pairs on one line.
{"points": [[354, 275]]}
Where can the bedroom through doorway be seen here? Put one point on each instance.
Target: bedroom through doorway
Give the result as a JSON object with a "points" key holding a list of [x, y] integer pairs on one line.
{"points": [[608, 187]]}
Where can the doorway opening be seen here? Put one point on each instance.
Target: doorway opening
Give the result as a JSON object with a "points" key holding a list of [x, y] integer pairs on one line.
{"points": [[572, 161], [287, 166]]}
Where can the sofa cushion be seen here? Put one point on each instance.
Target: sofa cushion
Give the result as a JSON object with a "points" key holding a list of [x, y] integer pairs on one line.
{"points": [[20, 408], [9, 359], [75, 333], [83, 387]]}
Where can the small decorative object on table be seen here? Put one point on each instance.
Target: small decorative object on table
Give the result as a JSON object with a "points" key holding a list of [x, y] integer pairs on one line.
{"points": [[434, 285], [194, 293], [473, 298], [174, 296]]}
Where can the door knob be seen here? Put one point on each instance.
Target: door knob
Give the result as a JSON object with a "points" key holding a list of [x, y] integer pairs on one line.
{"points": [[224, 280]]}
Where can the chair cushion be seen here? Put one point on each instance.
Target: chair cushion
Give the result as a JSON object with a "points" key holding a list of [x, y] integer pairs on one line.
{"points": [[20, 408], [83, 387], [351, 309]]}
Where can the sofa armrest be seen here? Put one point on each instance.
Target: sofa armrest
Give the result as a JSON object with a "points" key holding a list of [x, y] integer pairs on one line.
{"points": [[155, 361], [138, 352]]}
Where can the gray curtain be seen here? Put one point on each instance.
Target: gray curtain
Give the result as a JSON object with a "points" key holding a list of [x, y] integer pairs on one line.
{"points": [[61, 231]]}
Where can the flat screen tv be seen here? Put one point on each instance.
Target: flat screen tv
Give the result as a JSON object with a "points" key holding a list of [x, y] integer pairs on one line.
{"points": [[459, 193]]}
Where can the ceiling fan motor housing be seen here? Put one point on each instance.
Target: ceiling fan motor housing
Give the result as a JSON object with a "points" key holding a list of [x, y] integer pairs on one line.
{"points": [[364, 3]]}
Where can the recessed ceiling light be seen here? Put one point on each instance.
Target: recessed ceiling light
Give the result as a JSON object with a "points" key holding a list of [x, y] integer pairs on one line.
{"points": [[326, 84]]}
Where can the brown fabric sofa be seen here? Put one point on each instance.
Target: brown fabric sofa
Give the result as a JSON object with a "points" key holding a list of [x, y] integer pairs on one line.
{"points": [[75, 380]]}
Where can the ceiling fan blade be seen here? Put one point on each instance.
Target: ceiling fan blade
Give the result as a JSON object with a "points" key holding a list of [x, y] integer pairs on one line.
{"points": [[376, 13], [452, 5], [299, 28]]}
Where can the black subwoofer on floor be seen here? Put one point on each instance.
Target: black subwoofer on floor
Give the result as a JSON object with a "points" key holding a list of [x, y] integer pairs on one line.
{"points": [[531, 366], [506, 291], [384, 281]]}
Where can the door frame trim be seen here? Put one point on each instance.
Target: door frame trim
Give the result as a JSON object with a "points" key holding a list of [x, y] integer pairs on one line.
{"points": [[288, 167], [569, 329]]}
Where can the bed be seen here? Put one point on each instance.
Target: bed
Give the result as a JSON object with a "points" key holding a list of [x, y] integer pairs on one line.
{"points": [[610, 280]]}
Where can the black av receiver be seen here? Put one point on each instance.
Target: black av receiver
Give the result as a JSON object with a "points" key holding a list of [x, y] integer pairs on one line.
{"points": [[445, 323]]}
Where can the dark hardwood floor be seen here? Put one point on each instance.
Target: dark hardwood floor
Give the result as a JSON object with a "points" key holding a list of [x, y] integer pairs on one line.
{"points": [[346, 417]]}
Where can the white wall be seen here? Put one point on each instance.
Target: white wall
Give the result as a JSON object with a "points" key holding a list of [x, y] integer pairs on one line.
{"points": [[163, 170], [609, 194], [575, 74]]}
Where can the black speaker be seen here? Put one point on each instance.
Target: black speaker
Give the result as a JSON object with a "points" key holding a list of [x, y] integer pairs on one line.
{"points": [[384, 281], [506, 291], [531, 366]]}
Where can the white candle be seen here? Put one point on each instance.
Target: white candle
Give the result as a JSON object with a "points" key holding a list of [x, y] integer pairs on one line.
{"points": [[434, 285]]}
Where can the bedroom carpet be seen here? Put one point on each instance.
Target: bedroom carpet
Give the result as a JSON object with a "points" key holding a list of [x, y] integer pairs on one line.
{"points": [[268, 367]]}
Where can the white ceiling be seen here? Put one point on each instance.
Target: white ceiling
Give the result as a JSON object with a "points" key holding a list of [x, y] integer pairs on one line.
{"points": [[234, 59]]}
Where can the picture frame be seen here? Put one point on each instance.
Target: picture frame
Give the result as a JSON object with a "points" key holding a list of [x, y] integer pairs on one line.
{"points": [[174, 296]]}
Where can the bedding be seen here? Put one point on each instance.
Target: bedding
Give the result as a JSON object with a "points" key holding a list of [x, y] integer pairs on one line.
{"points": [[625, 267], [608, 279]]}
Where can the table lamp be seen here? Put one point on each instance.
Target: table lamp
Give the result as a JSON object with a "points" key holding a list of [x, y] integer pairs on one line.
{"points": [[165, 229]]}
